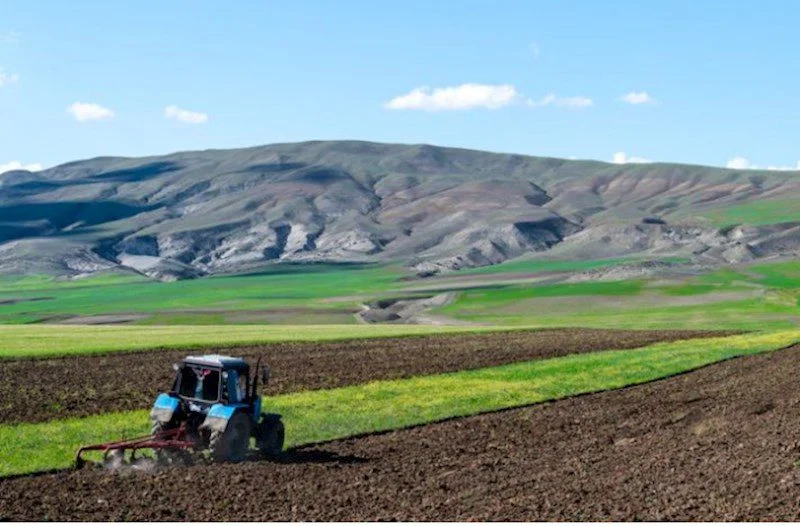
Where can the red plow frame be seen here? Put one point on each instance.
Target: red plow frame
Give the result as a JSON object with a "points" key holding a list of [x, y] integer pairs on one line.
{"points": [[175, 439]]}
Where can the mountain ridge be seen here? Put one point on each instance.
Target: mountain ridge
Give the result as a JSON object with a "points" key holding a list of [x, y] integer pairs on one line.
{"points": [[432, 208]]}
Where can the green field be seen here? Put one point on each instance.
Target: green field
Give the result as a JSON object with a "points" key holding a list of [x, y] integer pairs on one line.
{"points": [[281, 288], [520, 293], [755, 297], [755, 213], [313, 416], [36, 341], [539, 266]]}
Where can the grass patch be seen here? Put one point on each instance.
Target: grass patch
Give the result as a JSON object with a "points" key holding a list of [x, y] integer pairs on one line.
{"points": [[764, 212], [293, 295], [491, 298], [33, 341], [758, 314], [756, 297], [536, 266], [39, 282], [314, 416], [276, 288]]}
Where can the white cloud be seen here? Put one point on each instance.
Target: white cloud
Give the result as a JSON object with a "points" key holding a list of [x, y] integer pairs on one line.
{"points": [[462, 97], [534, 49], [637, 97], [470, 96], [564, 102], [88, 111], [739, 163], [190, 117], [622, 158], [7, 78], [743, 163], [16, 165]]}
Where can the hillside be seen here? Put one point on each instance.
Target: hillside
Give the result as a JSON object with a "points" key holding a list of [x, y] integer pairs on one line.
{"points": [[433, 209]]}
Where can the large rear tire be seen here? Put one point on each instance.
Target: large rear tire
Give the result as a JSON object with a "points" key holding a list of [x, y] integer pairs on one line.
{"points": [[271, 434], [232, 444]]}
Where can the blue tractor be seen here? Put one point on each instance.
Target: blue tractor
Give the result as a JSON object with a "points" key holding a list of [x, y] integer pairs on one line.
{"points": [[213, 408]]}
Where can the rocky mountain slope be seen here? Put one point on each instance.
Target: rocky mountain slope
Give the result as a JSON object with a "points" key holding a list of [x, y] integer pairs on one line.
{"points": [[434, 209]]}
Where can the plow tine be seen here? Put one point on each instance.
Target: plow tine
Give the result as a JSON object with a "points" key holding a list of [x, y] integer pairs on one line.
{"points": [[114, 458], [114, 452]]}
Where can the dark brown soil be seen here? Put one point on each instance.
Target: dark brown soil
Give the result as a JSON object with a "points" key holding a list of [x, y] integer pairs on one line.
{"points": [[720, 443], [40, 390]]}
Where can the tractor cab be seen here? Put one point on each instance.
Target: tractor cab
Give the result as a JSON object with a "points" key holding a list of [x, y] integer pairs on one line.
{"points": [[207, 380]]}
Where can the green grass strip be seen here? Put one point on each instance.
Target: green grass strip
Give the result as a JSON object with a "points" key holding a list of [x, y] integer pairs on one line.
{"points": [[313, 416], [754, 213], [21, 341]]}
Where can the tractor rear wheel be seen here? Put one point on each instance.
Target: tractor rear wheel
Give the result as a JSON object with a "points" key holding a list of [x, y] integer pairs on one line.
{"points": [[270, 437], [231, 445]]}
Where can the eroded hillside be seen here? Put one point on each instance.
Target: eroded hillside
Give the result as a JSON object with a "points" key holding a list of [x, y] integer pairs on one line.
{"points": [[194, 213]]}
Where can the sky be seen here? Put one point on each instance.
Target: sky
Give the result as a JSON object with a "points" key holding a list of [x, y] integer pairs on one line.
{"points": [[709, 82]]}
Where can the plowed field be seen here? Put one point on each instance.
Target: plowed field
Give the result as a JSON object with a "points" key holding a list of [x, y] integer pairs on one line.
{"points": [[719, 443], [46, 389]]}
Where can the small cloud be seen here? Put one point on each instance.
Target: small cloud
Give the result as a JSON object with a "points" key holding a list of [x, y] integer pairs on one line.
{"points": [[544, 101], [470, 96], [743, 163], [16, 165], [463, 97], [622, 158], [189, 117], [8, 78], [564, 102], [637, 97], [739, 163], [533, 47], [88, 111]]}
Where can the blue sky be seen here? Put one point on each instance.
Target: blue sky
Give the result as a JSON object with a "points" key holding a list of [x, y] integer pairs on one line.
{"points": [[715, 82]]}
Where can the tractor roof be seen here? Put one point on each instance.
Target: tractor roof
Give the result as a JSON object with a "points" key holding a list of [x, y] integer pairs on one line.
{"points": [[217, 360]]}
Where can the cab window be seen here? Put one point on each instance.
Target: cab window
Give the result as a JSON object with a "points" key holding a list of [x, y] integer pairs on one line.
{"points": [[199, 383], [235, 386]]}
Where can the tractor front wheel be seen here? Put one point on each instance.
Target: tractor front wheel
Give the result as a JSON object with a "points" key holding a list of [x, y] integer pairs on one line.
{"points": [[270, 437], [231, 445]]}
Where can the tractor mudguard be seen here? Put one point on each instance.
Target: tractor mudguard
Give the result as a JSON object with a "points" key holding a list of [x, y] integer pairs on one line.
{"points": [[164, 408], [219, 415]]}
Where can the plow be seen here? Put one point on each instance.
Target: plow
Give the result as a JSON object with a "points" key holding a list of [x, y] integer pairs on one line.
{"points": [[122, 452], [212, 412]]}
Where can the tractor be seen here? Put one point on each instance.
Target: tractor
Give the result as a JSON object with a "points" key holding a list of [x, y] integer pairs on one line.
{"points": [[213, 409]]}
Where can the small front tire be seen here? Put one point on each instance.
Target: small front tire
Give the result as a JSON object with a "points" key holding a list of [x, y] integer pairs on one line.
{"points": [[271, 435]]}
